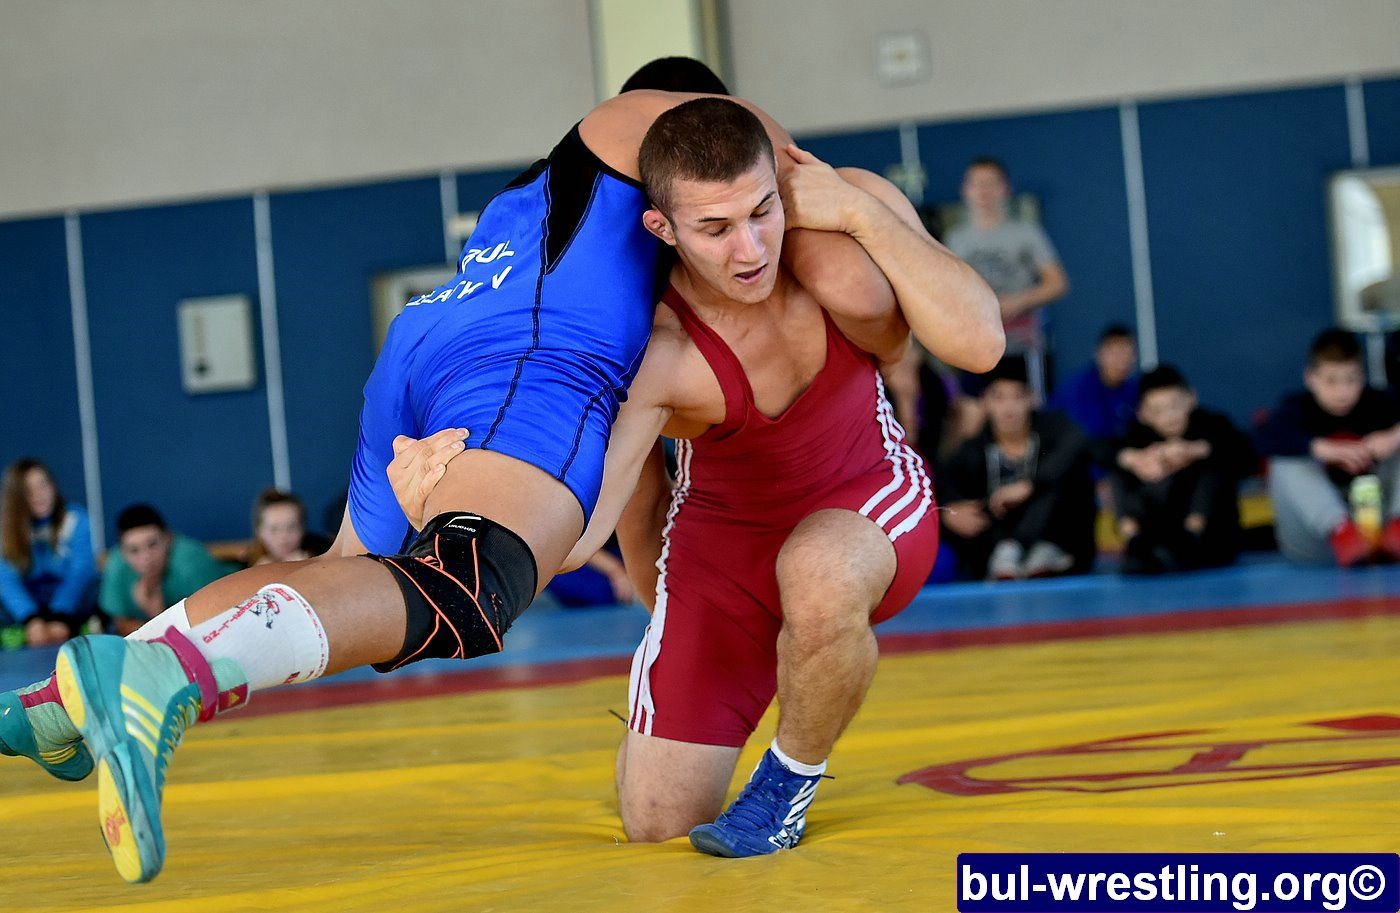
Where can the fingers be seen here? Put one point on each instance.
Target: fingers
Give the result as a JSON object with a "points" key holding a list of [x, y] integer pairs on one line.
{"points": [[431, 477], [800, 156], [445, 439], [445, 443]]}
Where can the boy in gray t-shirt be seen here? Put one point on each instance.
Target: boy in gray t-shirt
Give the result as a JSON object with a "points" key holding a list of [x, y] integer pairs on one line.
{"points": [[1016, 258]]}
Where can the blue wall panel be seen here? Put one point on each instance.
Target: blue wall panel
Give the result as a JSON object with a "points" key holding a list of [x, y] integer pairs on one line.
{"points": [[39, 412], [1383, 120], [1240, 268], [329, 245], [1073, 162], [200, 459], [875, 150], [1239, 255]]}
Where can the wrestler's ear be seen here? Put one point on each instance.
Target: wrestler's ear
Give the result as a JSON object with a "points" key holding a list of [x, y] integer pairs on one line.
{"points": [[656, 222]]}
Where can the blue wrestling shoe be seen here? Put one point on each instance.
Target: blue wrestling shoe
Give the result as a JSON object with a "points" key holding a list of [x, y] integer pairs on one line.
{"points": [[769, 815], [132, 702], [34, 725]]}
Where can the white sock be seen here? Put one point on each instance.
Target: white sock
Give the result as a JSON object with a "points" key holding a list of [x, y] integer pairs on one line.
{"points": [[797, 767], [173, 617], [275, 637]]}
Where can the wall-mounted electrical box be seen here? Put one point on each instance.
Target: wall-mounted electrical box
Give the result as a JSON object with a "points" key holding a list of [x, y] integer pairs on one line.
{"points": [[216, 344]]}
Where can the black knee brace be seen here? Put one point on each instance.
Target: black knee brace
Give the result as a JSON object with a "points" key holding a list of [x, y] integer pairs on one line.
{"points": [[465, 579]]}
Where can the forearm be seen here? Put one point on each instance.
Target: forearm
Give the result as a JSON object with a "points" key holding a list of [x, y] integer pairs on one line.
{"points": [[949, 308]]}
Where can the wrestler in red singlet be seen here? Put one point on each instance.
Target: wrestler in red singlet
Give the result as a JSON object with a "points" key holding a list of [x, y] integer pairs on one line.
{"points": [[707, 668]]}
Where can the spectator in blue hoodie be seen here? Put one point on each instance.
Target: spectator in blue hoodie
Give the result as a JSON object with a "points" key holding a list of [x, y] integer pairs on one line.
{"points": [[47, 566], [1102, 398]]}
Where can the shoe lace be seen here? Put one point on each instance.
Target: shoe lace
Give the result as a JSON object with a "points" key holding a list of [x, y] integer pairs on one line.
{"points": [[759, 806], [188, 712]]}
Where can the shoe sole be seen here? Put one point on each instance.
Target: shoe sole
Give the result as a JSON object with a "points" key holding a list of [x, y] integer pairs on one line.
{"points": [[125, 796], [705, 842]]}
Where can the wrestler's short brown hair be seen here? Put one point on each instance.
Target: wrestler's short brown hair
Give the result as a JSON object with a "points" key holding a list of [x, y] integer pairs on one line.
{"points": [[707, 139]]}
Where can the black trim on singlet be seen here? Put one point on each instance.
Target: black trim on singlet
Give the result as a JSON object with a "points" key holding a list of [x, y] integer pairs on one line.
{"points": [[528, 175], [573, 144], [574, 173]]}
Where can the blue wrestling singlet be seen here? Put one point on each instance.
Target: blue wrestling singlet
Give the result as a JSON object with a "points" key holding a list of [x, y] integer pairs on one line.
{"points": [[533, 344]]}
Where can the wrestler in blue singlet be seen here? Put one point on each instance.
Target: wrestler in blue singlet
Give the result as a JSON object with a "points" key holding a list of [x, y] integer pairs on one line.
{"points": [[531, 346]]}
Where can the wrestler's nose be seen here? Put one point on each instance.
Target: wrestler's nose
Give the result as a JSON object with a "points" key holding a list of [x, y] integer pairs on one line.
{"points": [[749, 245]]}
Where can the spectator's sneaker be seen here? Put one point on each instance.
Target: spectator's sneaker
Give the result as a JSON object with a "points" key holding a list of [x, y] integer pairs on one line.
{"points": [[1349, 545], [34, 725], [1046, 559], [132, 702], [1005, 563], [769, 815]]}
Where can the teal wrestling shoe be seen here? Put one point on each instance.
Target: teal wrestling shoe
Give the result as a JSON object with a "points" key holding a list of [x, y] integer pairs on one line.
{"points": [[132, 702], [34, 725]]}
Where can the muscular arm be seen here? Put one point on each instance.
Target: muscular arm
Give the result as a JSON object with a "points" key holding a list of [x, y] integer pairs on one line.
{"points": [[949, 308], [634, 434]]}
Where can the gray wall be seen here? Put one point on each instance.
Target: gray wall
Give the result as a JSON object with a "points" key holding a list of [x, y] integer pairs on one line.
{"points": [[108, 102], [131, 100], [1016, 55]]}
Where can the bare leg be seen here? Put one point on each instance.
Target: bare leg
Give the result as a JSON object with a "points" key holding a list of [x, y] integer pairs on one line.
{"points": [[832, 573], [665, 787], [357, 600]]}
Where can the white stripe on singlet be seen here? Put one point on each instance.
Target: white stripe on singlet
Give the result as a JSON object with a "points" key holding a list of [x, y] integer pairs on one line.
{"points": [[643, 708]]}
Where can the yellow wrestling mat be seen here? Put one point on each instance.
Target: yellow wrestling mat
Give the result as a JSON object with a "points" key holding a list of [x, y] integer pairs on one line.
{"points": [[1279, 738]]}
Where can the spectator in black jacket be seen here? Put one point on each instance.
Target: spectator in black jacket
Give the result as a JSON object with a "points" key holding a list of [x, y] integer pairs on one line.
{"points": [[1019, 496], [1319, 441], [1176, 480]]}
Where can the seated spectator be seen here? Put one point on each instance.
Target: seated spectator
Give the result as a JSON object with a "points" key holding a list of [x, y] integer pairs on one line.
{"points": [[151, 569], [47, 566], [1177, 479], [1019, 497], [279, 530], [1102, 396], [1319, 441]]}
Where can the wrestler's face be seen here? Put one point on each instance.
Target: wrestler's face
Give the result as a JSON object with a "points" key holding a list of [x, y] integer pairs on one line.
{"points": [[729, 234]]}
